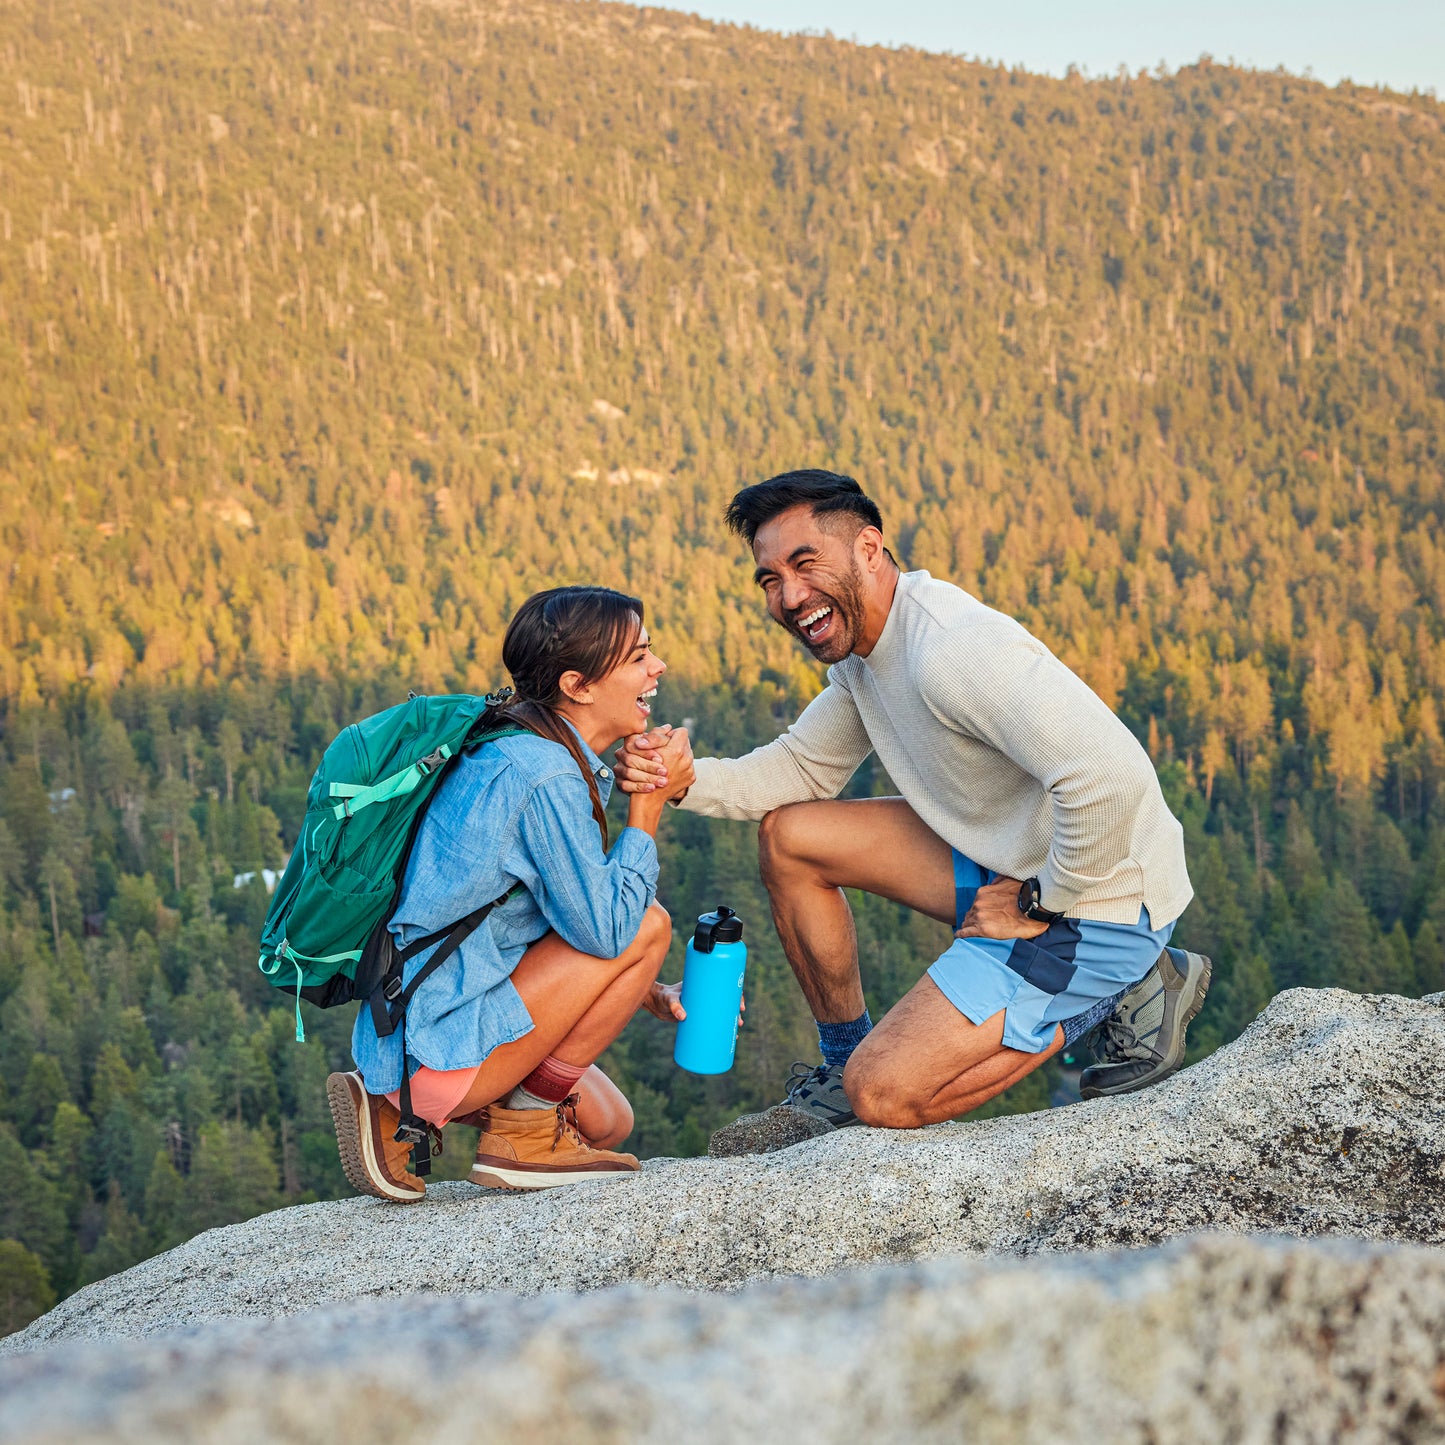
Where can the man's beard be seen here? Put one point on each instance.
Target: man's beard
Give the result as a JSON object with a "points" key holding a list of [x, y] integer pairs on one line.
{"points": [[846, 600]]}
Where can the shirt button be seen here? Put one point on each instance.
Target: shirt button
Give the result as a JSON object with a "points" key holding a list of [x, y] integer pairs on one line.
{"points": [[603, 773]]}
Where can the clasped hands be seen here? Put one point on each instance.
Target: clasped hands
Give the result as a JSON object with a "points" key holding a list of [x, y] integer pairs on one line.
{"points": [[659, 760]]}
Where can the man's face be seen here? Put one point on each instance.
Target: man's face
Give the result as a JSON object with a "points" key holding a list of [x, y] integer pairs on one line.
{"points": [[811, 580]]}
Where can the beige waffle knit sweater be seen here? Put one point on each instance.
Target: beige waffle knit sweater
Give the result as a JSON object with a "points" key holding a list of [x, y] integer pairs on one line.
{"points": [[994, 743]]}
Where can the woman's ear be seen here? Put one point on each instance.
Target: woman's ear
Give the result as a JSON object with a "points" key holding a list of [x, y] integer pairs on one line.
{"points": [[574, 688]]}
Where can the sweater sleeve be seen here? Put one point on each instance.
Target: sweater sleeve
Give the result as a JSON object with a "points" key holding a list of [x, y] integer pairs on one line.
{"points": [[1019, 698], [814, 759]]}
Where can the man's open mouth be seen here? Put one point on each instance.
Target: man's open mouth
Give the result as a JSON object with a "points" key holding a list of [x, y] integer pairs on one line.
{"points": [[643, 705], [816, 624]]}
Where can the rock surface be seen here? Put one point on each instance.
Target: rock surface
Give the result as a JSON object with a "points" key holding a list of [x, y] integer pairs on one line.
{"points": [[1326, 1117], [780, 1127], [1203, 1340]]}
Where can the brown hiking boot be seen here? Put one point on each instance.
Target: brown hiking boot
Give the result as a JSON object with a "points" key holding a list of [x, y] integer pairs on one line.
{"points": [[374, 1163], [540, 1149]]}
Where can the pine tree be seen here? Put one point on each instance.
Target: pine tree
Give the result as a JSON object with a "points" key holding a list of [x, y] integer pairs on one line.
{"points": [[25, 1290]]}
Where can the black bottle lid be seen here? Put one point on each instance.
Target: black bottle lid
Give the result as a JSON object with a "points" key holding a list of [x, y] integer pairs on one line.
{"points": [[720, 926]]}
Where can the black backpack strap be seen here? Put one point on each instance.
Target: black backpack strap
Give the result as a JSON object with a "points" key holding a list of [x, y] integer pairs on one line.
{"points": [[389, 1000]]}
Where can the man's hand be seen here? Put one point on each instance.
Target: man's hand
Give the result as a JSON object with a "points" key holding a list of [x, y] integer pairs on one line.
{"points": [[675, 754], [995, 914], [639, 762]]}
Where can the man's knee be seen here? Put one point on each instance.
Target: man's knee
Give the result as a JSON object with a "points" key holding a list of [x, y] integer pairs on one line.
{"points": [[783, 838], [880, 1097]]}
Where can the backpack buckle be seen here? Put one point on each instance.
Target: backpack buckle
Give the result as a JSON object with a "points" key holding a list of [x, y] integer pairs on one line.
{"points": [[431, 762], [409, 1133], [391, 989]]}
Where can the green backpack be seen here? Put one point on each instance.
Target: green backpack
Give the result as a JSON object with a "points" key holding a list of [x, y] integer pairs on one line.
{"points": [[326, 934]]}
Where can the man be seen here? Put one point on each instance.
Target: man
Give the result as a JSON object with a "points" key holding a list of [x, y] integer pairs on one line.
{"points": [[1030, 820]]}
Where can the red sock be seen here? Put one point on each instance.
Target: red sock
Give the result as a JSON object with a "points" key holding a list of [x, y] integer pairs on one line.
{"points": [[549, 1083]]}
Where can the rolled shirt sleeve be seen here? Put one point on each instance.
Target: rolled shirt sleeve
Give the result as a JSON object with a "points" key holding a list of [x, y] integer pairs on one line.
{"points": [[812, 760], [594, 900]]}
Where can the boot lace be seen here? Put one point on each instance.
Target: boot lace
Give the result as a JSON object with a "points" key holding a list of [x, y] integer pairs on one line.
{"points": [[567, 1123], [1119, 1043], [804, 1076]]}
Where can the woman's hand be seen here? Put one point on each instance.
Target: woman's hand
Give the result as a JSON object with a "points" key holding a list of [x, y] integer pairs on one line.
{"points": [[664, 1001], [645, 805], [639, 763]]}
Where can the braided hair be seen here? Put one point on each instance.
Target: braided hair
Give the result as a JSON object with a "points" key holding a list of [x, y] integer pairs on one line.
{"points": [[588, 630]]}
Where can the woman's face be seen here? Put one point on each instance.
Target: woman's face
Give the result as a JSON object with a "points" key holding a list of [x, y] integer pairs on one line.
{"points": [[620, 704]]}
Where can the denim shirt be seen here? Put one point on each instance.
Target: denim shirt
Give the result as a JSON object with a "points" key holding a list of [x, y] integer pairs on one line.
{"points": [[515, 811]]}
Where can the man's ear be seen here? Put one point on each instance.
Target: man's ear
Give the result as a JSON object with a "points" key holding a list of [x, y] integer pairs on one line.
{"points": [[869, 548], [574, 688]]}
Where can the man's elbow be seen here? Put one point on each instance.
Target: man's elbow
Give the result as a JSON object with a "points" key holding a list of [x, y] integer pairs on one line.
{"points": [[1143, 780]]}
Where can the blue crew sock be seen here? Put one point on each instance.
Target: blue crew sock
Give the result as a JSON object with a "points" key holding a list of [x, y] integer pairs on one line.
{"points": [[838, 1041]]}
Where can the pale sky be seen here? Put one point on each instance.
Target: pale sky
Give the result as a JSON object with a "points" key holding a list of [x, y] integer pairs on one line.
{"points": [[1398, 43]]}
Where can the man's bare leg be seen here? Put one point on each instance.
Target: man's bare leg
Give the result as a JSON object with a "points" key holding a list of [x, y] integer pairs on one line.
{"points": [[810, 852], [925, 1062]]}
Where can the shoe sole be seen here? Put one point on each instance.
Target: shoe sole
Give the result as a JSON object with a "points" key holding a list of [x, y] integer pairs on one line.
{"points": [[492, 1176], [1175, 1061], [354, 1143]]}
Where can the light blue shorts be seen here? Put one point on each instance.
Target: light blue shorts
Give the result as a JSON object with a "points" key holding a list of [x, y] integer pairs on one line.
{"points": [[1071, 974]]}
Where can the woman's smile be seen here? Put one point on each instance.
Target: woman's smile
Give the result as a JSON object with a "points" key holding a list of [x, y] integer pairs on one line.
{"points": [[624, 697]]}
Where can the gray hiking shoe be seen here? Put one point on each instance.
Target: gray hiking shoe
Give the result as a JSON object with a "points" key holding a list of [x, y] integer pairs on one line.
{"points": [[815, 1104], [1142, 1041]]}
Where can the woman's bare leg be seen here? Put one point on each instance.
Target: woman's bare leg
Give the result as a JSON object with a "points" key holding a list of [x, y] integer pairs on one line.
{"points": [[603, 1113], [579, 1005]]}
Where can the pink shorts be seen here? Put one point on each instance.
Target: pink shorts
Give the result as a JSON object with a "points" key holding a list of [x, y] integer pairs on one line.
{"points": [[435, 1093]]}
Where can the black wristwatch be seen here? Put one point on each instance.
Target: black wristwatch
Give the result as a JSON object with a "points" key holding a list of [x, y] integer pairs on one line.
{"points": [[1030, 906]]}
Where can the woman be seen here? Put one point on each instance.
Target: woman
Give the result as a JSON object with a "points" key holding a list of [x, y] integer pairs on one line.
{"points": [[505, 1035]]}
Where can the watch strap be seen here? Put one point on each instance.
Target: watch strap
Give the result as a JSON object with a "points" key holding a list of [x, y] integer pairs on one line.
{"points": [[1031, 907]]}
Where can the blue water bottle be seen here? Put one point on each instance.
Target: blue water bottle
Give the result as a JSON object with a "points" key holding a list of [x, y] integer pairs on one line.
{"points": [[712, 994]]}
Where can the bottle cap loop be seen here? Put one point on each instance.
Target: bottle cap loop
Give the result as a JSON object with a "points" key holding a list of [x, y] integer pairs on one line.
{"points": [[720, 926]]}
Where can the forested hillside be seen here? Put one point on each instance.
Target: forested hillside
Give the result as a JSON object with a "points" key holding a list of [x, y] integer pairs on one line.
{"points": [[329, 331]]}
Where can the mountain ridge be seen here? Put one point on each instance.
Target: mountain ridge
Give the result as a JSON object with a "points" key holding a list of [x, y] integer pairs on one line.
{"points": [[336, 332]]}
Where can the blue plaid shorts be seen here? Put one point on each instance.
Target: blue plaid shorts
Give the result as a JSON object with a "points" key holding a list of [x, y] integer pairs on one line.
{"points": [[1071, 974]]}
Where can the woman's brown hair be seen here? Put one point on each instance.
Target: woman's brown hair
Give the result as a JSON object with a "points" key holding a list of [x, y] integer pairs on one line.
{"points": [[589, 630]]}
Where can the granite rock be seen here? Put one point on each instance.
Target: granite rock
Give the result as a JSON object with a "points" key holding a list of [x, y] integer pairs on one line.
{"points": [[1209, 1339], [780, 1127], [1326, 1117]]}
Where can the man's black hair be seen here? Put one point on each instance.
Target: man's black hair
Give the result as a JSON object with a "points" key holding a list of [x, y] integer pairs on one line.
{"points": [[827, 493]]}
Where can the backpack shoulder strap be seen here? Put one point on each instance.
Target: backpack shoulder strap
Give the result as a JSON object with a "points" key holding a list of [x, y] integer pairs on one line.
{"points": [[390, 998], [389, 1002]]}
